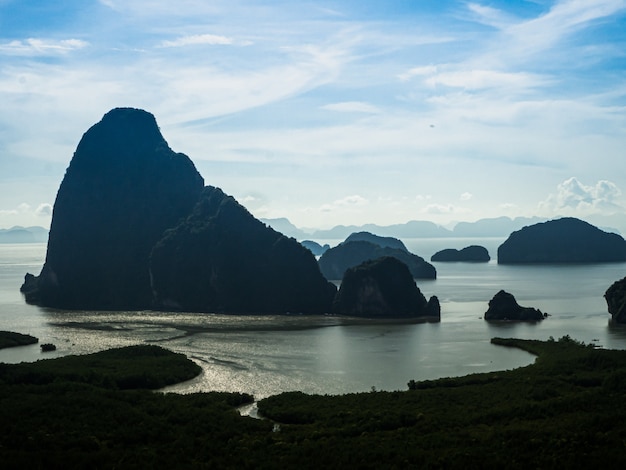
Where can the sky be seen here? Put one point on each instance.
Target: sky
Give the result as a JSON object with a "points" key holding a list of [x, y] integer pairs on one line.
{"points": [[331, 112]]}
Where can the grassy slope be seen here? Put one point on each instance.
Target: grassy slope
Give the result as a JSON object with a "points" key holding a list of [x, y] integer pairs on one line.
{"points": [[564, 411]]}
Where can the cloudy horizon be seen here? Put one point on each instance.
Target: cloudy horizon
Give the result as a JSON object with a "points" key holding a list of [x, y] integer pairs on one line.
{"points": [[334, 112]]}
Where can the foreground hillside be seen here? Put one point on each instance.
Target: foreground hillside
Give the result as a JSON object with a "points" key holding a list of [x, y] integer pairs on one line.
{"points": [[97, 411]]}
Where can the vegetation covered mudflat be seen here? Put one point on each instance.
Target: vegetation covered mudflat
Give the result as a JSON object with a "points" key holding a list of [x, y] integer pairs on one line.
{"points": [[10, 339], [97, 411]]}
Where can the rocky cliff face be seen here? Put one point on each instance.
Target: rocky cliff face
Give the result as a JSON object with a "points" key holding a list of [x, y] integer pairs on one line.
{"points": [[615, 297], [503, 306], [134, 228], [123, 188], [222, 259], [383, 287], [566, 240]]}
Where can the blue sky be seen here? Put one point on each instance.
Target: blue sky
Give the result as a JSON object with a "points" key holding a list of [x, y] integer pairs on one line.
{"points": [[332, 112]]}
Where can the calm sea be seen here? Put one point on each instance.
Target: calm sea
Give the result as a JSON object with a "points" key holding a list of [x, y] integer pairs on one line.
{"points": [[266, 355]]}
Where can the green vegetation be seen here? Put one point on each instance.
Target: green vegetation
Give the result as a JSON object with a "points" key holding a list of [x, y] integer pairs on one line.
{"points": [[9, 339], [96, 411]]}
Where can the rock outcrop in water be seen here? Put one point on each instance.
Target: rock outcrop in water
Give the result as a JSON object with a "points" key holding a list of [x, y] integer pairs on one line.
{"points": [[566, 240], [503, 306], [615, 297], [469, 254], [134, 228], [336, 261], [383, 288]]}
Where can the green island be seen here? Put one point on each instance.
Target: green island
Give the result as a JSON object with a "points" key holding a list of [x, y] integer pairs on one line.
{"points": [[101, 411]]}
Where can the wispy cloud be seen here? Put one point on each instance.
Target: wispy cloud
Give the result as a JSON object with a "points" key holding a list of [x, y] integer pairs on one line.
{"points": [[204, 39], [38, 47], [352, 107]]}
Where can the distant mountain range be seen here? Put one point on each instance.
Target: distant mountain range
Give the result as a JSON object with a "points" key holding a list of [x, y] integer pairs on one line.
{"points": [[483, 228], [24, 235]]}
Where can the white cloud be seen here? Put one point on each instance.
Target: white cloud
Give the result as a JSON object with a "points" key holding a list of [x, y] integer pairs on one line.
{"points": [[203, 39], [36, 47], [489, 16], [418, 72], [439, 209], [466, 196], [347, 202], [483, 79], [44, 210], [352, 107], [573, 197]]}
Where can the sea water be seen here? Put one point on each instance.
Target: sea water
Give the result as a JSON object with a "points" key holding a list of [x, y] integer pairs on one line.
{"points": [[265, 355]]}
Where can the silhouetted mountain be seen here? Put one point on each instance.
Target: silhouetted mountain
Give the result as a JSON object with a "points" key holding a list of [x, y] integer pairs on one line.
{"points": [[314, 247], [24, 235], [385, 242], [471, 254], [222, 259], [412, 229], [123, 190], [285, 227], [336, 261], [383, 287], [566, 240]]}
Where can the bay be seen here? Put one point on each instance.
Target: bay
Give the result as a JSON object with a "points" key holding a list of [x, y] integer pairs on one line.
{"points": [[265, 355]]}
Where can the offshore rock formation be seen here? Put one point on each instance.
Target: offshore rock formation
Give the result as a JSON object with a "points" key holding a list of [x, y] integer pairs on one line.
{"points": [[336, 261], [222, 259], [503, 306], [383, 288], [615, 297], [470, 254], [566, 240], [110, 247]]}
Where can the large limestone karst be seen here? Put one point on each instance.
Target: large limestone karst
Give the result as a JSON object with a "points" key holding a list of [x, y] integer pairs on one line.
{"points": [[566, 240], [124, 186], [383, 287], [123, 190]]}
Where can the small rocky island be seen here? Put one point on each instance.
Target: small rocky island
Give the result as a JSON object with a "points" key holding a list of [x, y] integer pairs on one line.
{"points": [[133, 227], [504, 307], [383, 288], [615, 297], [366, 246], [469, 254], [566, 240]]}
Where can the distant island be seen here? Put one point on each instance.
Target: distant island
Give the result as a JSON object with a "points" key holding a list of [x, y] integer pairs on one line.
{"points": [[497, 227], [469, 254], [24, 235], [565, 240]]}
